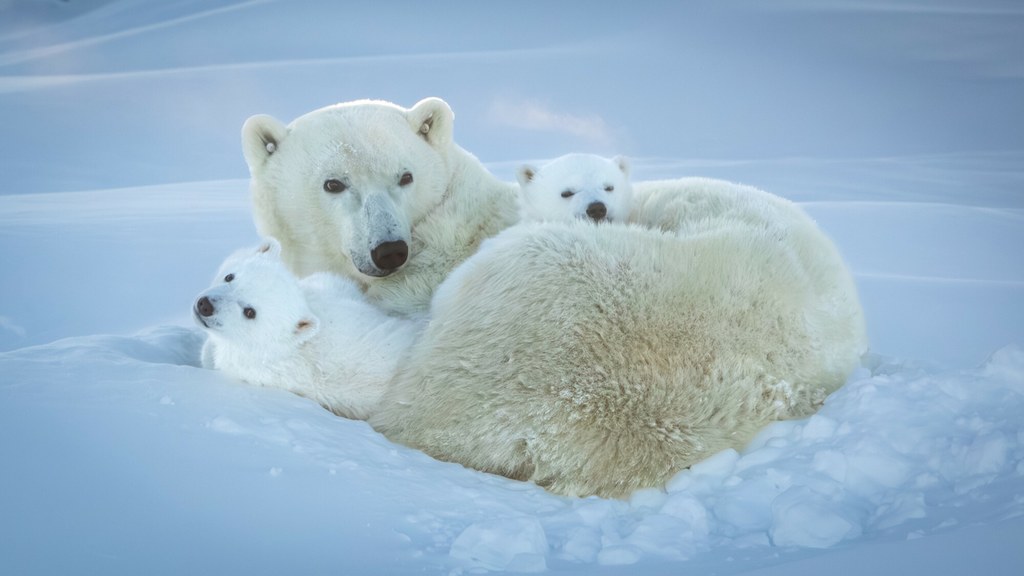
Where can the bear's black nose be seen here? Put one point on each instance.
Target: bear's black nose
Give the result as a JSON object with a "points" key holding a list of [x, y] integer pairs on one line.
{"points": [[390, 255], [597, 211], [204, 307]]}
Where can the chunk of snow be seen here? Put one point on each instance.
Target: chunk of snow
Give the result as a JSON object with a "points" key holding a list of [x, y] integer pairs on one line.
{"points": [[803, 518], [509, 544]]}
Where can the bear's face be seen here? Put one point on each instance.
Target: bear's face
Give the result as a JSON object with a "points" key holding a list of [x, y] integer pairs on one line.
{"points": [[256, 305], [576, 186], [344, 185]]}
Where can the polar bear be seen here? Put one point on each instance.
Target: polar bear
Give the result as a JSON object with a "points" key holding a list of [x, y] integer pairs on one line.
{"points": [[576, 186], [374, 192], [317, 337], [596, 360]]}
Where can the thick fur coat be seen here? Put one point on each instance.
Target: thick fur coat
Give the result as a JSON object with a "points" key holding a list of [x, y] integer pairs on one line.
{"points": [[603, 359]]}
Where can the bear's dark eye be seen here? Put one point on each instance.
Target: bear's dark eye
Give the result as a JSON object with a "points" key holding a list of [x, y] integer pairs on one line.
{"points": [[406, 179], [249, 312], [609, 188], [334, 186], [567, 193], [229, 277]]}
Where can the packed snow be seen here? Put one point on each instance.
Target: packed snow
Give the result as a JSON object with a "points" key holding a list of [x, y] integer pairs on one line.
{"points": [[896, 125]]}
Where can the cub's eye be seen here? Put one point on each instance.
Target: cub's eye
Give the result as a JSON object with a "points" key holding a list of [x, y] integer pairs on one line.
{"points": [[334, 186], [567, 193], [249, 312], [406, 179], [609, 188], [229, 277]]}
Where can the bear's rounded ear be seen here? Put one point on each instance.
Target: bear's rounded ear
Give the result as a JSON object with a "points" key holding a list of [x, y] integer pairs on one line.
{"points": [[525, 175], [270, 246], [623, 164], [261, 136], [306, 328], [433, 120]]}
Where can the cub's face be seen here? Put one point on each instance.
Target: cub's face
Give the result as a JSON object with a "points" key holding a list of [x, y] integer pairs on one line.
{"points": [[576, 186], [256, 305]]}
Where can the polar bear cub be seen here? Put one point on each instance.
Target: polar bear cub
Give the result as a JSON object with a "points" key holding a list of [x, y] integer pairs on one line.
{"points": [[576, 186], [317, 337]]}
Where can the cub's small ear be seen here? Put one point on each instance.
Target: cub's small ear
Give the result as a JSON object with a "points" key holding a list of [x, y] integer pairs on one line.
{"points": [[525, 174], [270, 246], [623, 163], [307, 327], [433, 120], [261, 137]]}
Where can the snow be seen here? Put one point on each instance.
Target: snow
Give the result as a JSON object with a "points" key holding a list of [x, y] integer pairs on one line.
{"points": [[122, 188]]}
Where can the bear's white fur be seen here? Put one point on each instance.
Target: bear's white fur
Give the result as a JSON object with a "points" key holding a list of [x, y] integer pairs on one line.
{"points": [[317, 337], [693, 205], [374, 192], [603, 359], [576, 186]]}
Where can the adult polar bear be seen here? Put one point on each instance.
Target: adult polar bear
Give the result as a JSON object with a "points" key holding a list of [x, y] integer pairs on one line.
{"points": [[599, 359], [374, 192]]}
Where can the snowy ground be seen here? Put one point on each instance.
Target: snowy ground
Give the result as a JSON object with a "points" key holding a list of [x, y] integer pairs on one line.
{"points": [[898, 126]]}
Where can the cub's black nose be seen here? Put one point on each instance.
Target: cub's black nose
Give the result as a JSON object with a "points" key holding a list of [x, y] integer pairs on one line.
{"points": [[204, 307], [390, 255], [597, 211]]}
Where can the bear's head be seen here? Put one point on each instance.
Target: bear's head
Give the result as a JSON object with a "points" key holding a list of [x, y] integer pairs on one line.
{"points": [[256, 305], [342, 187], [576, 186]]}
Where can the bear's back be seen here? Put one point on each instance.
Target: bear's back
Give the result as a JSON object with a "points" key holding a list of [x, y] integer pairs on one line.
{"points": [[598, 359]]}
